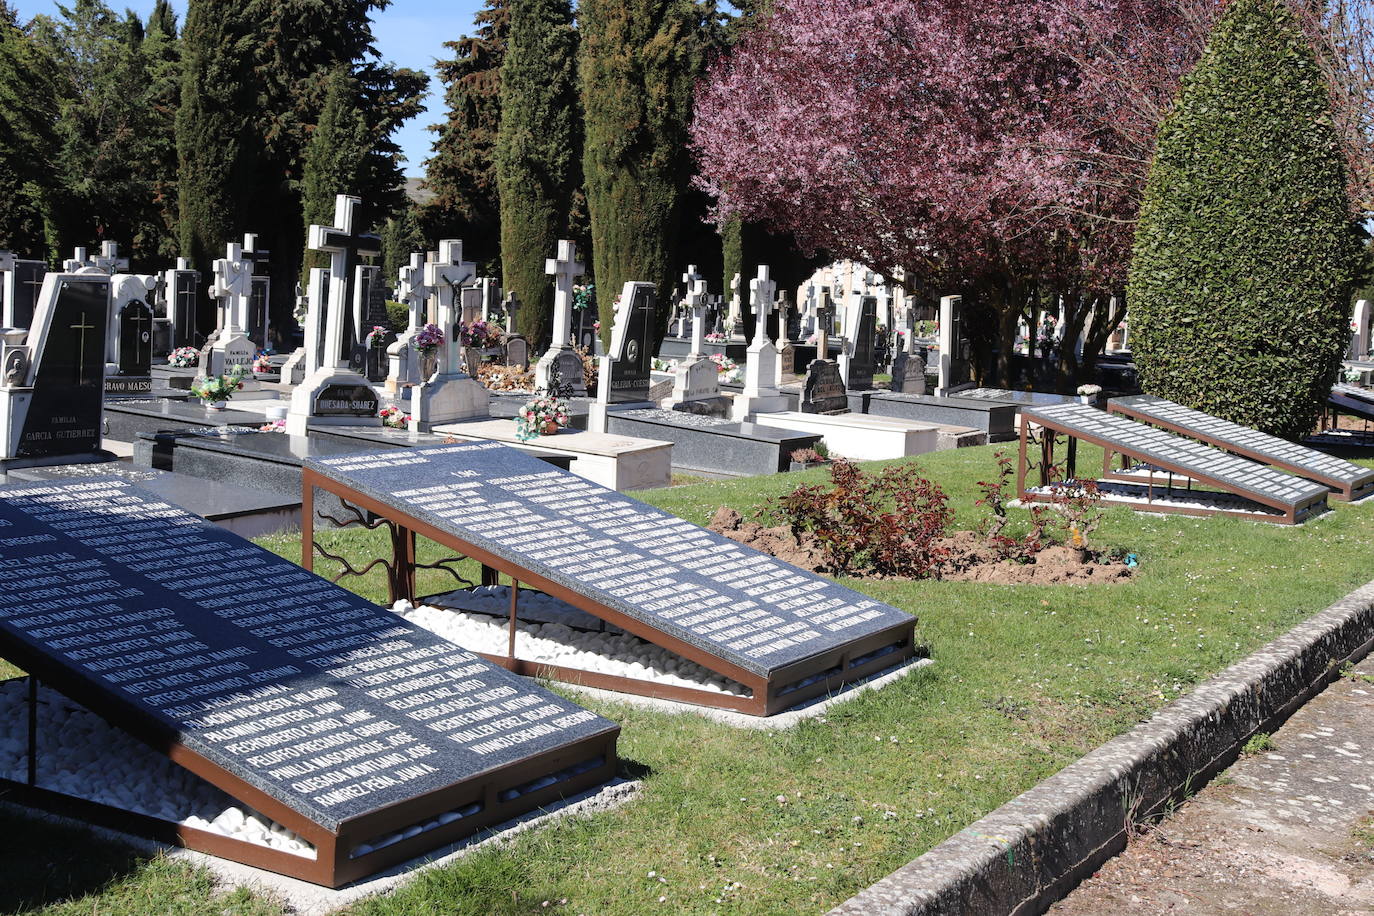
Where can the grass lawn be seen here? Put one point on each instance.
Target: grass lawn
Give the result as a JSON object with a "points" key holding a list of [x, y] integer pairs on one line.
{"points": [[1027, 679]]}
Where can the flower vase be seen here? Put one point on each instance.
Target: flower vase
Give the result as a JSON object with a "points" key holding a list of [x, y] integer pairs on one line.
{"points": [[1087, 399], [550, 428], [215, 405]]}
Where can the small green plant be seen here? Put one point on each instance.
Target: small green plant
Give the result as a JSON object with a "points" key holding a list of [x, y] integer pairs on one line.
{"points": [[1348, 671], [1363, 831], [993, 494], [211, 388], [1258, 744]]}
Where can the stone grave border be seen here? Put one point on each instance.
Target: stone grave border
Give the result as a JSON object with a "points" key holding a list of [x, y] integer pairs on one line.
{"points": [[770, 694], [333, 865], [1037, 847], [1039, 432], [1341, 489]]}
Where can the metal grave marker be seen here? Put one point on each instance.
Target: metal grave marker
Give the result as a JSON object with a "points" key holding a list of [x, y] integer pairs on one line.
{"points": [[785, 634], [340, 721]]}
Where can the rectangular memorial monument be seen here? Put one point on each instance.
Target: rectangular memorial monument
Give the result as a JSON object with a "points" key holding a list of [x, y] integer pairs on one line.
{"points": [[369, 739], [1166, 468], [785, 634], [1347, 481]]}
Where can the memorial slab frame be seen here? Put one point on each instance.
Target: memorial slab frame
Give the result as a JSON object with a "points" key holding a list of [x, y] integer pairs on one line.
{"points": [[1182, 458], [343, 850], [781, 688], [1346, 481]]}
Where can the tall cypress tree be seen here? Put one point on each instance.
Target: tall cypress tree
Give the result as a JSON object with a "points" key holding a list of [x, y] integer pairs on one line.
{"points": [[28, 144], [462, 172], [639, 62], [334, 157], [216, 165], [537, 152], [1245, 252]]}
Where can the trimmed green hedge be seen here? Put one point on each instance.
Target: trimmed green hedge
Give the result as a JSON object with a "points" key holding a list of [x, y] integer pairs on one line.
{"points": [[1246, 251]]}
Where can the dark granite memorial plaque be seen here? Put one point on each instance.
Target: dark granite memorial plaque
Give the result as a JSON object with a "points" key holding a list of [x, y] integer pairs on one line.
{"points": [[631, 367], [1182, 456], [863, 358], [28, 282], [1349, 480], [184, 302], [1019, 398], [64, 416], [567, 375], [135, 339], [376, 367], [908, 373], [259, 311], [346, 401], [729, 601], [824, 390], [517, 351], [187, 635], [704, 443]]}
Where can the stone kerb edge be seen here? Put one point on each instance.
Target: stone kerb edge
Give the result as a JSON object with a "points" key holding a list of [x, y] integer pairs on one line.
{"points": [[1033, 849]]}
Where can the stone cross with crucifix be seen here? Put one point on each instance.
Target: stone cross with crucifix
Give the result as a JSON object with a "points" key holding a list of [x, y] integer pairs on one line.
{"points": [[761, 291], [825, 323], [689, 285], [109, 260], [696, 305], [449, 394], [229, 348], [760, 393]]}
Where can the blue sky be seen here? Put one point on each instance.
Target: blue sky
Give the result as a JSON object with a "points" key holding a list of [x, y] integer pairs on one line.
{"points": [[410, 33]]}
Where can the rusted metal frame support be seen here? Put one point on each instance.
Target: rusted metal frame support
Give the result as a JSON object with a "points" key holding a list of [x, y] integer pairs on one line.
{"points": [[1021, 458], [514, 604], [1071, 466]]}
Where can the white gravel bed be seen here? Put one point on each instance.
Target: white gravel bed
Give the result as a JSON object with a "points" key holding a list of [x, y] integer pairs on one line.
{"points": [[558, 644], [81, 755]]}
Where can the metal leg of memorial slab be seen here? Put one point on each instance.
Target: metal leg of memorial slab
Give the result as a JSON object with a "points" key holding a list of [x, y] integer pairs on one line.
{"points": [[1021, 459], [1071, 471], [33, 730], [307, 523], [490, 576], [514, 602]]}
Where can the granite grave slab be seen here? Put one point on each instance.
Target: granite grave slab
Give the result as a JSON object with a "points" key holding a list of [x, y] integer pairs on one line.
{"points": [[784, 633], [331, 716], [997, 420], [713, 444]]}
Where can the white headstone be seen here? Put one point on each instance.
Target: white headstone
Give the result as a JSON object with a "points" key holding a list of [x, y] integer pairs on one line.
{"points": [[1359, 331], [564, 269]]}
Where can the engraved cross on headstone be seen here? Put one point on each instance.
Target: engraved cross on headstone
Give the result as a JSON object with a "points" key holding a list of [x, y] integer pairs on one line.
{"points": [[345, 244], [81, 360]]}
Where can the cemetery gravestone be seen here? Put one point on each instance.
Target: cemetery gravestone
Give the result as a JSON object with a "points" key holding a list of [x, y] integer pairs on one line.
{"points": [[632, 345], [53, 392], [135, 339], [559, 359], [823, 390], [259, 320], [862, 355], [403, 361], [23, 284], [760, 393], [449, 394]]}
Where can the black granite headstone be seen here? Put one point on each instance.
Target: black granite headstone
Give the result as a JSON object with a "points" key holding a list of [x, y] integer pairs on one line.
{"points": [[630, 368], [377, 365], [135, 339], [346, 401], [28, 281], [64, 416], [861, 361], [584, 332], [733, 602], [824, 390], [330, 705]]}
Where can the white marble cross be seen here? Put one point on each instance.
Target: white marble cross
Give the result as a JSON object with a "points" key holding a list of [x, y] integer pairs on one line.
{"points": [[412, 289], [445, 277], [564, 268], [109, 260], [761, 292], [233, 286], [345, 245], [77, 261], [696, 302]]}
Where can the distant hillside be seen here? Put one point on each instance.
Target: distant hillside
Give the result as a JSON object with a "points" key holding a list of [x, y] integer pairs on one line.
{"points": [[417, 193]]}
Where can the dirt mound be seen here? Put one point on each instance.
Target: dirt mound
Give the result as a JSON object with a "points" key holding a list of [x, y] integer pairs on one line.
{"points": [[969, 557]]}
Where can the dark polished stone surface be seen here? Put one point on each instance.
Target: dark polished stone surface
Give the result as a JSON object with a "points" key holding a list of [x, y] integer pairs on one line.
{"points": [[729, 600], [126, 418], [172, 626], [711, 444], [996, 419]]}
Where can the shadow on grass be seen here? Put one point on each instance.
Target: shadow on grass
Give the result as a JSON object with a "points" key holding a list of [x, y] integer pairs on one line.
{"points": [[44, 863]]}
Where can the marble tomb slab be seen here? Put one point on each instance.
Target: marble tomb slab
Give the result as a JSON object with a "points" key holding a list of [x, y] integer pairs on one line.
{"points": [[996, 420], [860, 436], [714, 444], [618, 462]]}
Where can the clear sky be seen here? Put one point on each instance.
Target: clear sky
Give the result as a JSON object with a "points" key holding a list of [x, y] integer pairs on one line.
{"points": [[410, 33]]}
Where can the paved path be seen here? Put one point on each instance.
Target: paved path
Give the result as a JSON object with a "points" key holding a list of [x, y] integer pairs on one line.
{"points": [[1285, 832]]}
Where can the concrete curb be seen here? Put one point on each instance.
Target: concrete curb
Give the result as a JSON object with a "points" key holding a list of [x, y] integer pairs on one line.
{"points": [[1032, 850]]}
